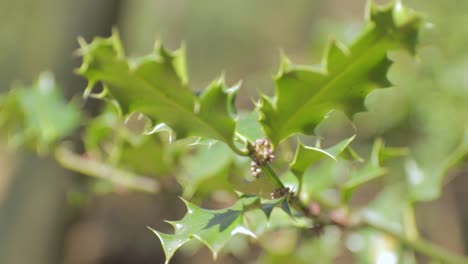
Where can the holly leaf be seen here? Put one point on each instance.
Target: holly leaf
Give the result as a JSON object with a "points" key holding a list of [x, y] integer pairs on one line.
{"points": [[212, 227], [305, 94], [306, 156], [282, 203], [157, 85], [37, 116]]}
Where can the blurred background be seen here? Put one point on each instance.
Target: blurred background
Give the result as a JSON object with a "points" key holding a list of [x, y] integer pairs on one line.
{"points": [[427, 111]]}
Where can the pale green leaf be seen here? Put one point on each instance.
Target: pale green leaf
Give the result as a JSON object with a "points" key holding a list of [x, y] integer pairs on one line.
{"points": [[306, 156]]}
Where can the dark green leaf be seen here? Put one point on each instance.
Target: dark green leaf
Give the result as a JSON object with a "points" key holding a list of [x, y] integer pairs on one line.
{"points": [[212, 227], [267, 206], [305, 94]]}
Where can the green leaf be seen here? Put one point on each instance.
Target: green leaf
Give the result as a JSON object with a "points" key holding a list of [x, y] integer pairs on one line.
{"points": [[269, 215], [306, 156], [148, 156], [212, 227], [267, 206], [37, 116], [305, 94], [216, 227], [156, 85]]}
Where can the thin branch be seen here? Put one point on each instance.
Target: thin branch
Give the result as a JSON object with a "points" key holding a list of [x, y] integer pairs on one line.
{"points": [[75, 162]]}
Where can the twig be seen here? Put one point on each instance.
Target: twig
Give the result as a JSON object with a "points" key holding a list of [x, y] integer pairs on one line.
{"points": [[93, 168]]}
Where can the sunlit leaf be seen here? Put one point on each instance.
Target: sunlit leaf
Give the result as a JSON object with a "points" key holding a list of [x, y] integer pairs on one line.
{"points": [[157, 85], [306, 156], [304, 94]]}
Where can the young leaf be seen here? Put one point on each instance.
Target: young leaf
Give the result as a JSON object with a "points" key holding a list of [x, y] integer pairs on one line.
{"points": [[305, 94], [156, 85], [212, 227], [306, 156]]}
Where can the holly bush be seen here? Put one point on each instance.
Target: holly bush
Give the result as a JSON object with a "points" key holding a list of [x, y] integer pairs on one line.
{"points": [[288, 174]]}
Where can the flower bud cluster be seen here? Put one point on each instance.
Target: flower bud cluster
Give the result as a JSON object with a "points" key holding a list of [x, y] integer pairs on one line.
{"points": [[262, 154], [278, 193]]}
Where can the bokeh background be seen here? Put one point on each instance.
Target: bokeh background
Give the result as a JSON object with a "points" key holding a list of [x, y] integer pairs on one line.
{"points": [[428, 111]]}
